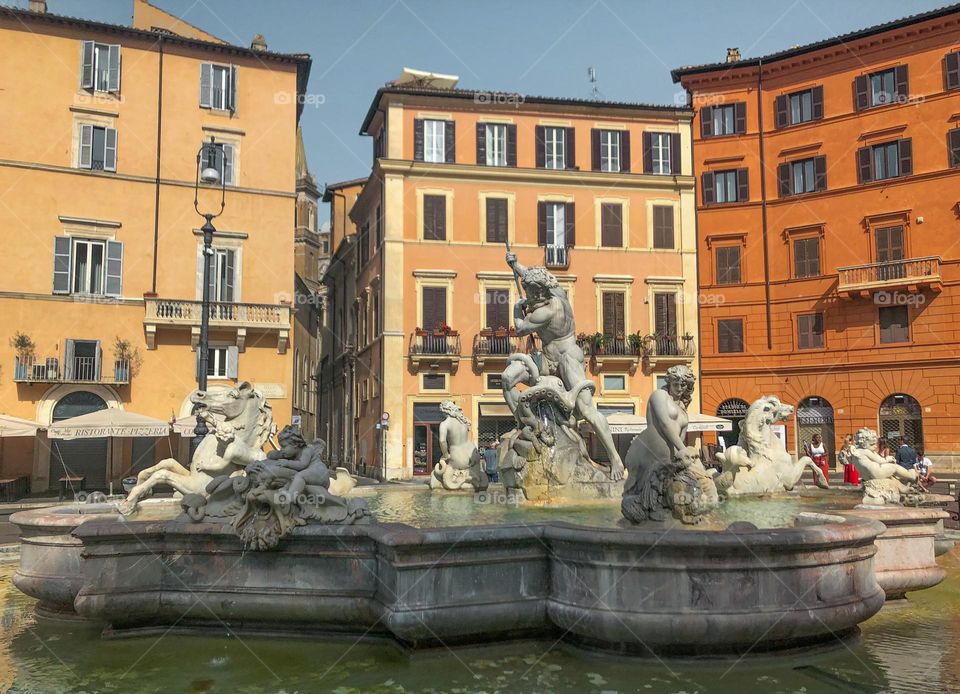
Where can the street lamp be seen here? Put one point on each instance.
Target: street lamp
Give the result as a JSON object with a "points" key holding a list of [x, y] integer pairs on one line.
{"points": [[209, 155]]}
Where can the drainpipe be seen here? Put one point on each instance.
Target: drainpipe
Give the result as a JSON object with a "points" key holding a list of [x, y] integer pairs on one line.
{"points": [[156, 201], [763, 204]]}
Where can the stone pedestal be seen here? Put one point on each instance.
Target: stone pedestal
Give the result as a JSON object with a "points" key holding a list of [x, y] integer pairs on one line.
{"points": [[546, 479]]}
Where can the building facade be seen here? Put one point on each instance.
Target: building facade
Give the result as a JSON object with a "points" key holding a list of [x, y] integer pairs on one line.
{"points": [[828, 270], [601, 193], [100, 284]]}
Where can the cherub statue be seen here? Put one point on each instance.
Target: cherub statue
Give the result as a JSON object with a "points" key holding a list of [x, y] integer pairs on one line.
{"points": [[460, 463], [884, 482]]}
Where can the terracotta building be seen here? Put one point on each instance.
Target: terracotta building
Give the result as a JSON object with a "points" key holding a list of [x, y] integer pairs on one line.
{"points": [[101, 273], [599, 192], [827, 217]]}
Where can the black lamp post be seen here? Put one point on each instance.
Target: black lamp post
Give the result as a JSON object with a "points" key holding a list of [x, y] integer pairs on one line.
{"points": [[209, 155]]}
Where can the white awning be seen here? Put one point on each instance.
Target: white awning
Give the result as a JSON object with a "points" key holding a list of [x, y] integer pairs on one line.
{"points": [[185, 425], [14, 426], [107, 423], [706, 422], [623, 423]]}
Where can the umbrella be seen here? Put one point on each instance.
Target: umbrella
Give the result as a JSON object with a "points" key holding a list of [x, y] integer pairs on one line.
{"points": [[108, 423], [14, 426]]}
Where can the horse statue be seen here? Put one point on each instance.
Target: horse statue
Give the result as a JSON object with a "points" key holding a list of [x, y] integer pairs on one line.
{"points": [[759, 463], [240, 422]]}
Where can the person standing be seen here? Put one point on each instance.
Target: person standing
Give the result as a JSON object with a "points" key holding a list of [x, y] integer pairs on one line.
{"points": [[490, 461], [906, 455], [850, 474], [817, 451]]}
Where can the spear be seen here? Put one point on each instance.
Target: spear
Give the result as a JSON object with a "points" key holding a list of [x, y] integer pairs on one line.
{"points": [[531, 345]]}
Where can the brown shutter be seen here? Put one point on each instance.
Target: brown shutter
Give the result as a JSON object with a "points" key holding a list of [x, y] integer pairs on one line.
{"points": [[665, 314], [595, 149], [511, 145], [570, 148], [804, 325], [816, 101], [541, 223], [611, 225], [820, 173], [905, 147], [861, 93], [783, 180], [625, 151], [481, 144], [663, 226], [780, 111], [740, 117], [450, 142], [675, 167], [951, 70], [541, 150], [418, 139], [613, 317], [497, 308], [901, 86], [434, 307], [434, 217], [864, 165], [743, 185], [730, 335], [496, 220], [647, 139], [800, 258], [569, 218], [709, 194], [706, 121], [953, 147], [728, 265], [894, 324]]}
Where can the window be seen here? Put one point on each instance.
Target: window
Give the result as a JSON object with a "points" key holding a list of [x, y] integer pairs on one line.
{"points": [[222, 156], [951, 70], [496, 220], [799, 107], [434, 307], [608, 150], [218, 86], [222, 362], [725, 186], [806, 257], [661, 150], [434, 132], [810, 331], [729, 119], [556, 224], [614, 382], [556, 231], [881, 88], [614, 318], [730, 335], [378, 227], [663, 236], [611, 225], [802, 176], [434, 381], [554, 140], [100, 67], [85, 266], [497, 308], [496, 143], [223, 273], [885, 160], [665, 314], [434, 217], [88, 261], [894, 324], [953, 147], [98, 148], [728, 265]]}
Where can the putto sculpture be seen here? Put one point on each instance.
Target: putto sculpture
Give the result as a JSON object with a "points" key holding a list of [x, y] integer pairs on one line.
{"points": [[545, 455], [664, 475], [460, 463], [289, 488], [884, 481], [760, 463], [240, 421]]}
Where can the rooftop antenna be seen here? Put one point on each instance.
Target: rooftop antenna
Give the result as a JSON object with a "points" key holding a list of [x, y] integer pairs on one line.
{"points": [[594, 91]]}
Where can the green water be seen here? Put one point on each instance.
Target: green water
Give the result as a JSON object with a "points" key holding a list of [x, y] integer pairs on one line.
{"points": [[911, 648]]}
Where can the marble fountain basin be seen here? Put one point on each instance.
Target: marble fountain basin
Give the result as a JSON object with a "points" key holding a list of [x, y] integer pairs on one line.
{"points": [[603, 584]]}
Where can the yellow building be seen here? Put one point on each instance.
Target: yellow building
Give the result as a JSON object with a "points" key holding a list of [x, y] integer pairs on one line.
{"points": [[459, 173], [100, 276]]}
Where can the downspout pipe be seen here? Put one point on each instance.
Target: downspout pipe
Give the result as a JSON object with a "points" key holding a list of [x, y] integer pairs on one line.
{"points": [[156, 200], [763, 205]]}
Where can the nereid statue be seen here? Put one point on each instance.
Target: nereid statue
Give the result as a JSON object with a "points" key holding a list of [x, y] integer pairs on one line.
{"points": [[760, 463], [884, 481], [460, 463], [663, 473]]}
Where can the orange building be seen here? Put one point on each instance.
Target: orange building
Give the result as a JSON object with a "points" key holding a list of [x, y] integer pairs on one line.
{"points": [[599, 192], [829, 272]]}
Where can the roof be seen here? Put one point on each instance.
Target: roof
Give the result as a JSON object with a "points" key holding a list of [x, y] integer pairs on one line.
{"points": [[327, 197], [481, 96], [680, 72]]}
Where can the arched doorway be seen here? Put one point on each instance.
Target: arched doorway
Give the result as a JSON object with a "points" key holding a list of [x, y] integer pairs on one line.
{"points": [[815, 416], [735, 410], [85, 458], [901, 418]]}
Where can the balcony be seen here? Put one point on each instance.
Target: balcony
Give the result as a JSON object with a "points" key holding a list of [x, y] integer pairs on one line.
{"points": [[614, 352], [556, 257], [77, 370], [668, 350], [435, 348], [909, 275], [223, 315], [492, 347]]}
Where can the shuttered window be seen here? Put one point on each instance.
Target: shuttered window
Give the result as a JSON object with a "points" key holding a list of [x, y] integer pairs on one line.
{"points": [[951, 70], [881, 88], [434, 217], [610, 150], [728, 264], [730, 335], [798, 107], [806, 257], [614, 324], [218, 86], [100, 66], [87, 266], [497, 308], [222, 362], [727, 186], [434, 307], [802, 176], [663, 236], [810, 331], [953, 147], [611, 225], [220, 156], [894, 324], [889, 241], [98, 148], [496, 220], [665, 314], [728, 119], [496, 144], [885, 160]]}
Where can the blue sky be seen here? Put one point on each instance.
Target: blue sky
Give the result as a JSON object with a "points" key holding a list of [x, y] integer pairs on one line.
{"points": [[527, 46]]}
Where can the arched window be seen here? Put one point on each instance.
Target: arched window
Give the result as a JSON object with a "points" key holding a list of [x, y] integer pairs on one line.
{"points": [[815, 416], [77, 403], [901, 417]]}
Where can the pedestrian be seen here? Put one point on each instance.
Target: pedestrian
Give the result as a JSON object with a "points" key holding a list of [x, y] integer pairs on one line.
{"points": [[490, 460], [883, 448], [817, 451], [850, 474], [923, 466], [906, 455]]}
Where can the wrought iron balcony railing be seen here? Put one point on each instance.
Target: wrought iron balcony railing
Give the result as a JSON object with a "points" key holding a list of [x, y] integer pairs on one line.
{"points": [[556, 257], [28, 369], [669, 346]]}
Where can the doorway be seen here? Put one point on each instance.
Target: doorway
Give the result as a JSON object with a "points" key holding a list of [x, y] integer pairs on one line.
{"points": [[426, 437], [901, 419], [815, 416], [85, 458]]}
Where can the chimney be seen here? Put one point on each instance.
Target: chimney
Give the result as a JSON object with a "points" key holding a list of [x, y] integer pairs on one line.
{"points": [[733, 55], [37, 6], [259, 43]]}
